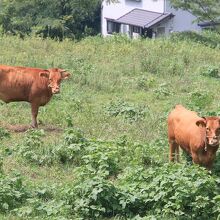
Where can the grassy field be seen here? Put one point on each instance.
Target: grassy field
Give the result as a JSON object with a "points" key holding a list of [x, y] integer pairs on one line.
{"points": [[101, 151]]}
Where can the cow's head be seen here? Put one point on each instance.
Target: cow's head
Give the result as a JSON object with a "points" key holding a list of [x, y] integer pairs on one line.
{"points": [[55, 76], [212, 126]]}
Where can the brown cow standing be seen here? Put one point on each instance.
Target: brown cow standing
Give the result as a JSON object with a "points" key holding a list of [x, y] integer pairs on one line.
{"points": [[33, 85], [198, 136]]}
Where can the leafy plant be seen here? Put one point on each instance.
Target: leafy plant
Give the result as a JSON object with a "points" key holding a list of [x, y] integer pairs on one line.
{"points": [[171, 190], [44, 204], [4, 133], [162, 91], [200, 99], [146, 82], [12, 192], [94, 198], [210, 71], [32, 149], [102, 160], [73, 147], [125, 110]]}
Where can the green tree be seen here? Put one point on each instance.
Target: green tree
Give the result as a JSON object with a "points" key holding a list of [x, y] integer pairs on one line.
{"points": [[204, 10], [51, 18]]}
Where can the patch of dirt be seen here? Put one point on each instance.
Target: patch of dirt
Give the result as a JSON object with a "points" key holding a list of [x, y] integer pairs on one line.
{"points": [[51, 128], [17, 128], [24, 128]]}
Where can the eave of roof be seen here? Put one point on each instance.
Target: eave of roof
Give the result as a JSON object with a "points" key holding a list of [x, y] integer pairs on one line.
{"points": [[142, 18]]}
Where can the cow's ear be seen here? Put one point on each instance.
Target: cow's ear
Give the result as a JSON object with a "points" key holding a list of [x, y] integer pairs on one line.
{"points": [[201, 122], [65, 75], [44, 74]]}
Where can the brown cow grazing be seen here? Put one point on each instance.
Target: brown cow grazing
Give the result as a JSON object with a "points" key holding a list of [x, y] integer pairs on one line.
{"points": [[33, 85], [198, 136]]}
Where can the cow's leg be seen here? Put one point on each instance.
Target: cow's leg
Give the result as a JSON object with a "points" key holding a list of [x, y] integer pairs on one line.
{"points": [[34, 112], [177, 153], [173, 148], [195, 158], [209, 165]]}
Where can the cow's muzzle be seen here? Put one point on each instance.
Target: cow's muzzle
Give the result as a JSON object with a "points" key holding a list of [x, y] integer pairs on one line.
{"points": [[213, 141], [55, 91]]}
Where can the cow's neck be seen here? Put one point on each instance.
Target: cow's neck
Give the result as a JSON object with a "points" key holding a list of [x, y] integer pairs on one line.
{"points": [[212, 149], [207, 157], [45, 96]]}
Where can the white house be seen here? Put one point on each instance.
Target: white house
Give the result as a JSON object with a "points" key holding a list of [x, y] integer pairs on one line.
{"points": [[149, 18]]}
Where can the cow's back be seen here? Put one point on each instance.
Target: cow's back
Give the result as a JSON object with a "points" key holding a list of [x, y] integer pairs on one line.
{"points": [[182, 127], [19, 83]]}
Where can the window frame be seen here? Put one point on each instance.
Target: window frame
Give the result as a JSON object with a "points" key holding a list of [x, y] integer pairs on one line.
{"points": [[113, 27], [136, 29]]}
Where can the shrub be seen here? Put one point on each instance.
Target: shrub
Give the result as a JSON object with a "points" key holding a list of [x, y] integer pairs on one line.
{"points": [[94, 198], [209, 71], [200, 99], [146, 82], [4, 133], [33, 150], [102, 159], [171, 190], [128, 112], [154, 153], [12, 192], [216, 165], [72, 148], [163, 91], [216, 209], [207, 38], [44, 203]]}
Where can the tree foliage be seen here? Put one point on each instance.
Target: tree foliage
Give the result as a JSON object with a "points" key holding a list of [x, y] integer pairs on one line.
{"points": [[51, 18], [204, 10]]}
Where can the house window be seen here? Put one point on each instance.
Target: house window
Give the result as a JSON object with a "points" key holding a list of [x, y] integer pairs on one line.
{"points": [[113, 27], [136, 29]]}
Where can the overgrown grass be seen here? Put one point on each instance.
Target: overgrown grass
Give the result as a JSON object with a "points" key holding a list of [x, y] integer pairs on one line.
{"points": [[101, 151]]}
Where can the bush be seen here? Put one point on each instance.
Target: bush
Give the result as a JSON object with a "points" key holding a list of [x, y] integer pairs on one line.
{"points": [[12, 192], [44, 203], [33, 150], [72, 148], [172, 190], [128, 112], [94, 198], [146, 82], [209, 71], [163, 91], [200, 100], [207, 38], [4, 133], [169, 192], [216, 165], [102, 159]]}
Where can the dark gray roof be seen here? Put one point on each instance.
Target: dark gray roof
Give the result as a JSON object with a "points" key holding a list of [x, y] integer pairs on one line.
{"points": [[142, 18]]}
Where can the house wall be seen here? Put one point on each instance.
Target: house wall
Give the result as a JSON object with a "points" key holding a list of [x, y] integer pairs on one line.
{"points": [[116, 10], [166, 24], [182, 20]]}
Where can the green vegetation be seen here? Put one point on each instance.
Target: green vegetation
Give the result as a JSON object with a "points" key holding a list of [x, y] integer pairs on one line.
{"points": [[50, 18], [101, 150]]}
